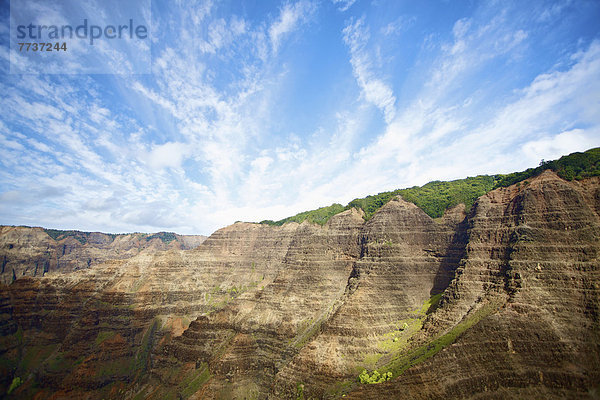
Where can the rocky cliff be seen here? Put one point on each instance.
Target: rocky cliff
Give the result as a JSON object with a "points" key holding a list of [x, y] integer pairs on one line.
{"points": [[26, 251], [500, 303], [523, 307]]}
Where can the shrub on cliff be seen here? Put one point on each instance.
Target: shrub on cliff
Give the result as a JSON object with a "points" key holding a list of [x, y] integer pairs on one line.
{"points": [[16, 382], [376, 377]]}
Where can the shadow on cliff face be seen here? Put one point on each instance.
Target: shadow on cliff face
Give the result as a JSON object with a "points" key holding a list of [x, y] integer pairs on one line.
{"points": [[451, 258]]}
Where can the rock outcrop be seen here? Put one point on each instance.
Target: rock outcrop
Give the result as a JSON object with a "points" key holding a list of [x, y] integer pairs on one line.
{"points": [[529, 283], [500, 303], [26, 251]]}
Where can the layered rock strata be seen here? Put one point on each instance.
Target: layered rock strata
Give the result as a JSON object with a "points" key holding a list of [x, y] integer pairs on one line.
{"points": [[78, 332], [532, 261], [248, 342], [26, 251], [500, 303]]}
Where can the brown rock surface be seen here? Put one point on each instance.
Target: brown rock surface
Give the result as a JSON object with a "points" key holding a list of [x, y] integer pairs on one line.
{"points": [[26, 251], [533, 253], [502, 303]]}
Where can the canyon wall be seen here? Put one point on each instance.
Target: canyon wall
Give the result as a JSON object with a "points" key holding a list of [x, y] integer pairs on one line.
{"points": [[26, 251], [500, 303], [526, 296]]}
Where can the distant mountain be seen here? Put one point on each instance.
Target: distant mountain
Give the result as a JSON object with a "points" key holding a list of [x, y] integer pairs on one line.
{"points": [[26, 251]]}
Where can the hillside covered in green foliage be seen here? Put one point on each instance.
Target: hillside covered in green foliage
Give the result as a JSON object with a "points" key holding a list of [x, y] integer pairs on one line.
{"points": [[436, 197], [58, 234], [319, 216], [574, 166]]}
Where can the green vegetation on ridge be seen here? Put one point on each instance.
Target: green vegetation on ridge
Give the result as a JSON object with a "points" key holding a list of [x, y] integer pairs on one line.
{"points": [[436, 197], [166, 237], [574, 166], [319, 216], [58, 235]]}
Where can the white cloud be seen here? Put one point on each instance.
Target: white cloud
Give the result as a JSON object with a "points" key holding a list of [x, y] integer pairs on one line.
{"points": [[197, 10], [10, 144], [399, 25], [221, 34], [168, 155], [343, 5], [553, 147], [261, 164], [554, 10], [375, 91], [290, 17], [461, 27], [39, 146], [474, 45]]}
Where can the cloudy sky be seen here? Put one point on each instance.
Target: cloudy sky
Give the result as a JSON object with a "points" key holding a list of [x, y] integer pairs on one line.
{"points": [[261, 109]]}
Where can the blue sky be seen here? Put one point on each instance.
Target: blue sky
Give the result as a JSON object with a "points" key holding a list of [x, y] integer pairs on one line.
{"points": [[261, 109]]}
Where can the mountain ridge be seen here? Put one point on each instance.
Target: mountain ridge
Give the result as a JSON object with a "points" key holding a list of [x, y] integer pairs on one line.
{"points": [[577, 165], [36, 251], [493, 302]]}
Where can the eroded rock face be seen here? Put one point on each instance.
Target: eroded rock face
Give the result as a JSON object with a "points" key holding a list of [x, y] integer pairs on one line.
{"points": [[532, 257], [503, 302], [248, 342], [91, 332], [405, 257], [28, 251]]}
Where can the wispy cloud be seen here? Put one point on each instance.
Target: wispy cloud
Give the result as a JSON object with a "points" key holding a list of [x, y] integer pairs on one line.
{"points": [[538, 123], [343, 5], [290, 17], [206, 140], [400, 24], [356, 36]]}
